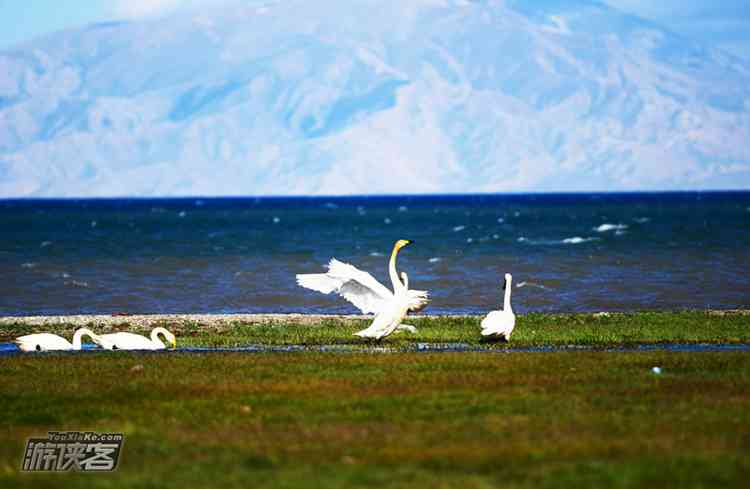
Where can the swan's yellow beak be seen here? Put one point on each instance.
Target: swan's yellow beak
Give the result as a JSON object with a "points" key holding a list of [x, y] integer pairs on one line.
{"points": [[403, 242]]}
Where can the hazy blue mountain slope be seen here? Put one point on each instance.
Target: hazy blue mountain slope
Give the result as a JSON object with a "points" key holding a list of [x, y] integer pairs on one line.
{"points": [[367, 96]]}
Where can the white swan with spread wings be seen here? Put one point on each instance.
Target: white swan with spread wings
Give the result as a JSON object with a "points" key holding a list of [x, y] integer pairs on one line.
{"points": [[362, 289], [389, 318]]}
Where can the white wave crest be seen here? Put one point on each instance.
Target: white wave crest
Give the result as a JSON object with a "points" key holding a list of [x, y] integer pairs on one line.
{"points": [[603, 228], [76, 283], [551, 242], [530, 284], [579, 240]]}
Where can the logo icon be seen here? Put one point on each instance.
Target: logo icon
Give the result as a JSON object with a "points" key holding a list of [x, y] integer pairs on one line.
{"points": [[63, 451]]}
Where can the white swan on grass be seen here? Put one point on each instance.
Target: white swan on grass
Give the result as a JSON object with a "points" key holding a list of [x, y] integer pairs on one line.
{"points": [[363, 290], [53, 342], [132, 341], [501, 323], [394, 311]]}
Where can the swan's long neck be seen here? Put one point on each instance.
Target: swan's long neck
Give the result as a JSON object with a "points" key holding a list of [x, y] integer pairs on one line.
{"points": [[78, 335], [506, 303], [155, 336], [397, 285]]}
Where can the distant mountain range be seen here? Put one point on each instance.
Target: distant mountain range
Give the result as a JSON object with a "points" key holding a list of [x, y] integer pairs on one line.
{"points": [[372, 96]]}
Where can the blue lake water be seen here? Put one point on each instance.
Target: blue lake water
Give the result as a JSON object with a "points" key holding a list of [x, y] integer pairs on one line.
{"points": [[571, 252]]}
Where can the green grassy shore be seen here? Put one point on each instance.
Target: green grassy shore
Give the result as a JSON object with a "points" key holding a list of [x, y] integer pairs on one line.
{"points": [[604, 329], [309, 419]]}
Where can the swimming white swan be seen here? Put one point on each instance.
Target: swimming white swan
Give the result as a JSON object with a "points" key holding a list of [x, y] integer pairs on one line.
{"points": [[53, 342], [132, 341], [394, 311], [361, 289], [501, 323]]}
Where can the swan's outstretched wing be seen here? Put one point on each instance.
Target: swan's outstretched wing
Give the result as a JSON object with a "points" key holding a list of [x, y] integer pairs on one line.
{"points": [[358, 287], [418, 300]]}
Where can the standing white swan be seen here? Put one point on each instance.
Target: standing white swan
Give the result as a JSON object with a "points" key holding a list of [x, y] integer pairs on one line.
{"points": [[53, 342], [501, 323], [361, 289], [132, 341]]}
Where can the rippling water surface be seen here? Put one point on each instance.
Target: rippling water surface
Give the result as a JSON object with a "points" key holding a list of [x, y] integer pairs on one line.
{"points": [[578, 252]]}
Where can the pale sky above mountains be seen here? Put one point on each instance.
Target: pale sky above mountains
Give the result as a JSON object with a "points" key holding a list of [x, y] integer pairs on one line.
{"points": [[725, 23]]}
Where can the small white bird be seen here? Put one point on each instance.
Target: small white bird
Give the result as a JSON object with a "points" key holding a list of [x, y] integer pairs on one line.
{"points": [[132, 341], [53, 342], [501, 323], [362, 289], [390, 316]]}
